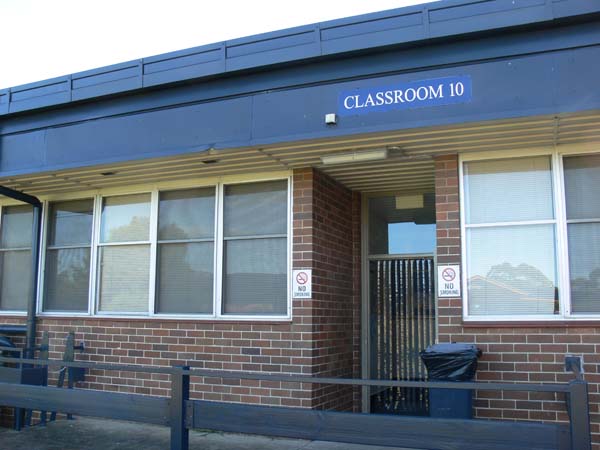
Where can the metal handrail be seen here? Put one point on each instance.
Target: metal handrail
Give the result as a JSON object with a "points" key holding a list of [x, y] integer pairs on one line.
{"points": [[473, 385]]}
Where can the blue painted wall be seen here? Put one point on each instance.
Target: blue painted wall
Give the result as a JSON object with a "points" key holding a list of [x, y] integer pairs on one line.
{"points": [[522, 73]]}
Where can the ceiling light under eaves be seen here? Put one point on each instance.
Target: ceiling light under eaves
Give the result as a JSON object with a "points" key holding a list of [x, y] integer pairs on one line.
{"points": [[354, 157]]}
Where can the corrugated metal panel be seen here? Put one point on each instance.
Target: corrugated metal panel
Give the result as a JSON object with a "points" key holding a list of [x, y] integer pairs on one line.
{"points": [[409, 166]]}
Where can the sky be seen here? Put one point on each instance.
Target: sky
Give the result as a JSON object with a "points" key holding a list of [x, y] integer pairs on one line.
{"points": [[41, 39]]}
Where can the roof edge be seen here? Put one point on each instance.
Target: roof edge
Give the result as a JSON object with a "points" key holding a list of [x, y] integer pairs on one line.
{"points": [[402, 26]]}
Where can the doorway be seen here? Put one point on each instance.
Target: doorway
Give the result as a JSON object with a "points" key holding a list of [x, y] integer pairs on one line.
{"points": [[399, 298]]}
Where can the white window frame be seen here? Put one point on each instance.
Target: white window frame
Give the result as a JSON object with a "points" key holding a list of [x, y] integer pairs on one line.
{"points": [[42, 259], [154, 190], [556, 155], [13, 312]]}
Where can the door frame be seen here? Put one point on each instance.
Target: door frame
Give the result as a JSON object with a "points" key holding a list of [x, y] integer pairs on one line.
{"points": [[365, 332]]}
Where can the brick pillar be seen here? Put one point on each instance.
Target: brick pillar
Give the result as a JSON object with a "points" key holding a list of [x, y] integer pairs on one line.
{"points": [[448, 239], [327, 239]]}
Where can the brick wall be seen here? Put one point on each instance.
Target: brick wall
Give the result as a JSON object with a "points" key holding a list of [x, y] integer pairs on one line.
{"points": [[329, 211], [512, 353], [320, 340]]}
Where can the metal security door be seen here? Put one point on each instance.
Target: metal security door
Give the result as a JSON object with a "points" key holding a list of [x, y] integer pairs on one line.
{"points": [[402, 323]]}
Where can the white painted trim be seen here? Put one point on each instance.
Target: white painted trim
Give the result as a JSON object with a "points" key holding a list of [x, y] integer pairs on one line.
{"points": [[40, 297], [290, 241], [562, 253], [463, 238], [510, 224], [152, 276], [95, 256], [516, 318], [217, 252], [18, 312], [218, 275], [98, 196], [560, 222]]}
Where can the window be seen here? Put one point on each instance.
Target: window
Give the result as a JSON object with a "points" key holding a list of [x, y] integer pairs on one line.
{"points": [[582, 192], [529, 225], [124, 254], [255, 248], [186, 250], [219, 251], [15, 257], [68, 253]]}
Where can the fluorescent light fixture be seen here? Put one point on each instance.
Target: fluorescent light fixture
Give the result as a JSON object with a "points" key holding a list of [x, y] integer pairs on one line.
{"points": [[354, 157]]}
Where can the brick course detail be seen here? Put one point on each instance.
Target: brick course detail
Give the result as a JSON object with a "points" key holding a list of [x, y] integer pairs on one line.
{"points": [[511, 352], [321, 339]]}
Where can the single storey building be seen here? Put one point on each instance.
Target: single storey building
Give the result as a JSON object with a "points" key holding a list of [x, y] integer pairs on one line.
{"points": [[325, 200]]}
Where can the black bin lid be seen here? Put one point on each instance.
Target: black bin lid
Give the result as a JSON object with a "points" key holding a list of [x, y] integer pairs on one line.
{"points": [[453, 348]]}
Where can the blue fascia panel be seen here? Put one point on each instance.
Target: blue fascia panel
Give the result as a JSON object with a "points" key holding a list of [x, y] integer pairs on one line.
{"points": [[4, 97], [273, 48], [417, 24], [107, 80], [151, 134], [567, 8], [383, 31], [184, 65], [540, 84], [40, 94], [509, 45]]}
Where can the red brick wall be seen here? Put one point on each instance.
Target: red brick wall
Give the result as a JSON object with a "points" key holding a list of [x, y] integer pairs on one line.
{"points": [[329, 211], [320, 340], [511, 353]]}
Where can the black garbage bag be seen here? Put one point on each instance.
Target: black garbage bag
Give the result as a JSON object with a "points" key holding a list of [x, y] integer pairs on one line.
{"points": [[451, 362]]}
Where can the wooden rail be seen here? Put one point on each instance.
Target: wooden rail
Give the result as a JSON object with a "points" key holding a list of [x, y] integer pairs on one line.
{"points": [[182, 414]]}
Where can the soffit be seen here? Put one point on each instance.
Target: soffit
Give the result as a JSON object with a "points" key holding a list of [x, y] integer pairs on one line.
{"points": [[409, 166]]}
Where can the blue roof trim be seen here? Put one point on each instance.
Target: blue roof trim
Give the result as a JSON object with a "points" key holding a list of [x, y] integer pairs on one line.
{"points": [[360, 33]]}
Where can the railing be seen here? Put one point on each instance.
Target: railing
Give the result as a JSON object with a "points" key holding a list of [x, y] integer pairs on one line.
{"points": [[182, 414]]}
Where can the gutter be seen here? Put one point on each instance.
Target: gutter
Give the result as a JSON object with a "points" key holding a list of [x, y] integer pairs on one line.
{"points": [[35, 257]]}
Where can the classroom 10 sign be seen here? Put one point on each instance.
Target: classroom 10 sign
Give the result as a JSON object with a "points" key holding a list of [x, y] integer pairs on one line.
{"points": [[414, 94]]}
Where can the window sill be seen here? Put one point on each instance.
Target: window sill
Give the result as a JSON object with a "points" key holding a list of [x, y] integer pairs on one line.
{"points": [[529, 323], [159, 318], [13, 314]]}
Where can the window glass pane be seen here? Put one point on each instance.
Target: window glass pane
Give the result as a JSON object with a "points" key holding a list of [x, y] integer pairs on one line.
{"points": [[70, 223], [66, 279], [255, 209], [124, 274], [16, 226], [255, 276], [512, 270], [15, 279], [584, 267], [582, 186], [508, 190], [402, 224], [188, 214], [185, 278], [125, 218]]}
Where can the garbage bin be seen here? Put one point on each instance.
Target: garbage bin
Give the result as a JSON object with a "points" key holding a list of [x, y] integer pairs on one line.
{"points": [[451, 362]]}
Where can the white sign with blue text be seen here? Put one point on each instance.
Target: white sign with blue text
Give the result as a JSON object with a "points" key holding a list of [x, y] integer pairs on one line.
{"points": [[413, 94]]}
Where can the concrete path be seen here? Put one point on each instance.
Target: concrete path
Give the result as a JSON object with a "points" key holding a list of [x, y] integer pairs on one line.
{"points": [[99, 434]]}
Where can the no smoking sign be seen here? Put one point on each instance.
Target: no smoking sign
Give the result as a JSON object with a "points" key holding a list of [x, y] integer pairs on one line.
{"points": [[448, 281], [302, 283]]}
